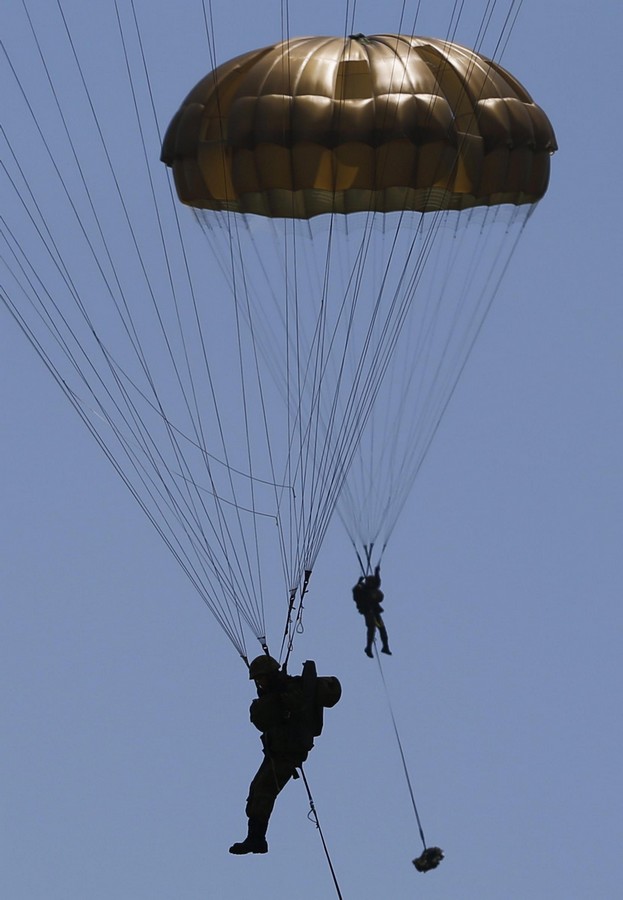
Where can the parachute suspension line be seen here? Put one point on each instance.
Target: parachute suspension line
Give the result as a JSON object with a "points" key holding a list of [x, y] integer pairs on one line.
{"points": [[258, 615], [287, 638], [285, 21], [254, 332], [335, 457], [403, 295], [510, 19], [267, 439], [330, 459], [504, 33], [455, 17], [210, 36], [293, 416], [359, 559], [485, 22], [139, 429], [197, 418], [294, 627], [50, 305], [210, 32], [79, 220], [432, 408], [297, 471], [402, 380], [335, 453], [313, 817], [293, 387], [488, 294], [135, 338], [503, 39], [251, 317], [312, 470], [366, 568], [237, 265], [208, 21], [127, 320], [416, 16], [314, 374], [256, 585], [142, 474], [300, 467], [351, 419], [349, 16], [186, 565], [403, 10], [401, 751], [194, 417], [198, 427], [313, 466]]}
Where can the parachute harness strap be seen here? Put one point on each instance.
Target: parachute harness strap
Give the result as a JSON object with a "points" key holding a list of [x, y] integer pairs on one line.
{"points": [[402, 755], [313, 817]]}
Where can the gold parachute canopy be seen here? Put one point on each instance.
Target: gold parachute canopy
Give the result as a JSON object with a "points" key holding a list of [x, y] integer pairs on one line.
{"points": [[383, 122]]}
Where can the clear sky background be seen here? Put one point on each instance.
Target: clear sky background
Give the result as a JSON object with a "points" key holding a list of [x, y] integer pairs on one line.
{"points": [[126, 750]]}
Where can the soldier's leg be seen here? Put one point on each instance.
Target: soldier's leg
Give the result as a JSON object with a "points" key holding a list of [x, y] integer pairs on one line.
{"points": [[383, 636], [255, 841], [270, 778], [371, 630]]}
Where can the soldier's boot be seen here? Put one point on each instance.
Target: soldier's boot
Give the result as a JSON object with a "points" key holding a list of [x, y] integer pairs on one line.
{"points": [[368, 651], [255, 841]]}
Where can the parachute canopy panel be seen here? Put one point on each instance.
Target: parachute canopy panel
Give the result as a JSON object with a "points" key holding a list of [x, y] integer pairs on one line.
{"points": [[387, 122]]}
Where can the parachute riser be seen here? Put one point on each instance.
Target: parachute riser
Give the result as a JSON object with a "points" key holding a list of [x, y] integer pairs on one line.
{"points": [[367, 567], [294, 626]]}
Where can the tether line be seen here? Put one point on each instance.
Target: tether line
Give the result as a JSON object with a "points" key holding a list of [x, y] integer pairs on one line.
{"points": [[402, 756], [314, 816]]}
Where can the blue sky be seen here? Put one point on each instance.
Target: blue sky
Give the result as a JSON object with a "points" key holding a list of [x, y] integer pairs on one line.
{"points": [[127, 751]]}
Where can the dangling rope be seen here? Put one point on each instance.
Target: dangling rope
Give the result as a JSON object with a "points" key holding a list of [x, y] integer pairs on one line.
{"points": [[313, 816], [431, 856], [402, 755]]}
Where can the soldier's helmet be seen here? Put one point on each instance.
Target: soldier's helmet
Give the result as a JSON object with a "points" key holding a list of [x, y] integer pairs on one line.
{"points": [[263, 665]]}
